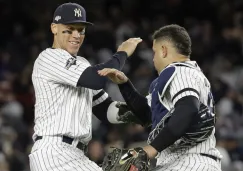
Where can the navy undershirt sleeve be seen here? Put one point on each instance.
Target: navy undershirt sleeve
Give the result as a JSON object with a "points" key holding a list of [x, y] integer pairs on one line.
{"points": [[136, 102], [90, 77]]}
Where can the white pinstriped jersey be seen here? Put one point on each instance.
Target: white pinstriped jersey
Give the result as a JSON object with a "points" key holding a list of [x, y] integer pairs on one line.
{"points": [[61, 108], [186, 81]]}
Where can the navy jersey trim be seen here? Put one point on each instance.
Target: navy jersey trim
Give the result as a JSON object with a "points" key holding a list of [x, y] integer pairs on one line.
{"points": [[95, 97], [185, 89]]}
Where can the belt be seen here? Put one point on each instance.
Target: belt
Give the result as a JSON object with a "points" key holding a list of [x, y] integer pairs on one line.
{"points": [[69, 140], [210, 156]]}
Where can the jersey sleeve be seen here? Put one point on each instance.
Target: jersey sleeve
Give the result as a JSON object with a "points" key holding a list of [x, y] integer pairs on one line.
{"points": [[99, 96], [184, 84], [60, 67]]}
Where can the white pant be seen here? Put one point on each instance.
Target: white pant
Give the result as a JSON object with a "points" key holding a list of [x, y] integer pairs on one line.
{"points": [[189, 162], [51, 154]]}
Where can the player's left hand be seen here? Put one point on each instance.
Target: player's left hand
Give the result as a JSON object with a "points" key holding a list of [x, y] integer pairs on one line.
{"points": [[126, 160], [114, 75]]}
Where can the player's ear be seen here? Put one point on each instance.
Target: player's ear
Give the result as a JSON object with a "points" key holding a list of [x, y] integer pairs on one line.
{"points": [[164, 51], [54, 28]]}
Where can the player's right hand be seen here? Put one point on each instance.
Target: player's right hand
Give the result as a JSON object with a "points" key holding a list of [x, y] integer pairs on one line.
{"points": [[114, 75], [129, 45]]}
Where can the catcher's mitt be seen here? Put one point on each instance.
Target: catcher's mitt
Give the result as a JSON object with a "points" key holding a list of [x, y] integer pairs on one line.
{"points": [[126, 160]]}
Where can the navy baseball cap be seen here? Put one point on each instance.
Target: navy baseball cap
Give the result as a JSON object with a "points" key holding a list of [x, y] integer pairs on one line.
{"points": [[70, 13]]}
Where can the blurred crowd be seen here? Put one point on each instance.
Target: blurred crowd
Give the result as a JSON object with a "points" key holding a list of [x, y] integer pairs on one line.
{"points": [[216, 30]]}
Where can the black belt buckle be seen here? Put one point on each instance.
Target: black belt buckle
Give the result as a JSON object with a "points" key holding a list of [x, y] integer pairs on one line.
{"points": [[80, 145]]}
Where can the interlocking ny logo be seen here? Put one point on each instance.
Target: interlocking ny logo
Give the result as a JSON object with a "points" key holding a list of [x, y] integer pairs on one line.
{"points": [[77, 12]]}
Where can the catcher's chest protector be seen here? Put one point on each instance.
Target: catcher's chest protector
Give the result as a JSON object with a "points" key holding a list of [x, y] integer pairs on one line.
{"points": [[157, 89]]}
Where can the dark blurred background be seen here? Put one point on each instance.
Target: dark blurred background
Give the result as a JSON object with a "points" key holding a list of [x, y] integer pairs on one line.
{"points": [[216, 30]]}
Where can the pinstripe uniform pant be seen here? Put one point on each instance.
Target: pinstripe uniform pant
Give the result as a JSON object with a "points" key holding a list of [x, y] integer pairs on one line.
{"points": [[188, 162], [51, 154]]}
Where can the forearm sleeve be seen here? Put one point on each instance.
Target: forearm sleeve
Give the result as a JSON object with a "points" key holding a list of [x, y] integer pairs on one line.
{"points": [[90, 77], [136, 102]]}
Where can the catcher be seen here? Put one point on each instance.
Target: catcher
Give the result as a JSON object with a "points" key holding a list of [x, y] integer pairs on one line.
{"points": [[180, 105]]}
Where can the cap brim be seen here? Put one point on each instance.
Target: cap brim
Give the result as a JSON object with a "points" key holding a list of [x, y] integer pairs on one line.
{"points": [[79, 22]]}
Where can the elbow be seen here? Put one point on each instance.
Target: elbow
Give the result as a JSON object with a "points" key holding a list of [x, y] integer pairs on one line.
{"points": [[99, 83], [176, 133], [98, 87], [95, 86], [184, 115], [179, 125]]}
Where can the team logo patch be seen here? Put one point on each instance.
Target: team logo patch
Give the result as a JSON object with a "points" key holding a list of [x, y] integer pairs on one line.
{"points": [[77, 12], [71, 61]]}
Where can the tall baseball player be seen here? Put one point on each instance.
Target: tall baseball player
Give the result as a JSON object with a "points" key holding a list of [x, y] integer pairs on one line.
{"points": [[181, 103], [68, 90]]}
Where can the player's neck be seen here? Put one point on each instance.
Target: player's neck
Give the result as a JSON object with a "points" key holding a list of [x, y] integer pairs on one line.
{"points": [[54, 45], [179, 58]]}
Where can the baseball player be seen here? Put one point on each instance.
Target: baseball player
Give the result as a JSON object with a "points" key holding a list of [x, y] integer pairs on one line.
{"points": [[68, 90], [181, 103]]}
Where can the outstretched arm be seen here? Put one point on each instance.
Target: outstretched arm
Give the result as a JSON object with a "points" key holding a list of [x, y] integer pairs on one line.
{"points": [[91, 79], [57, 65]]}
